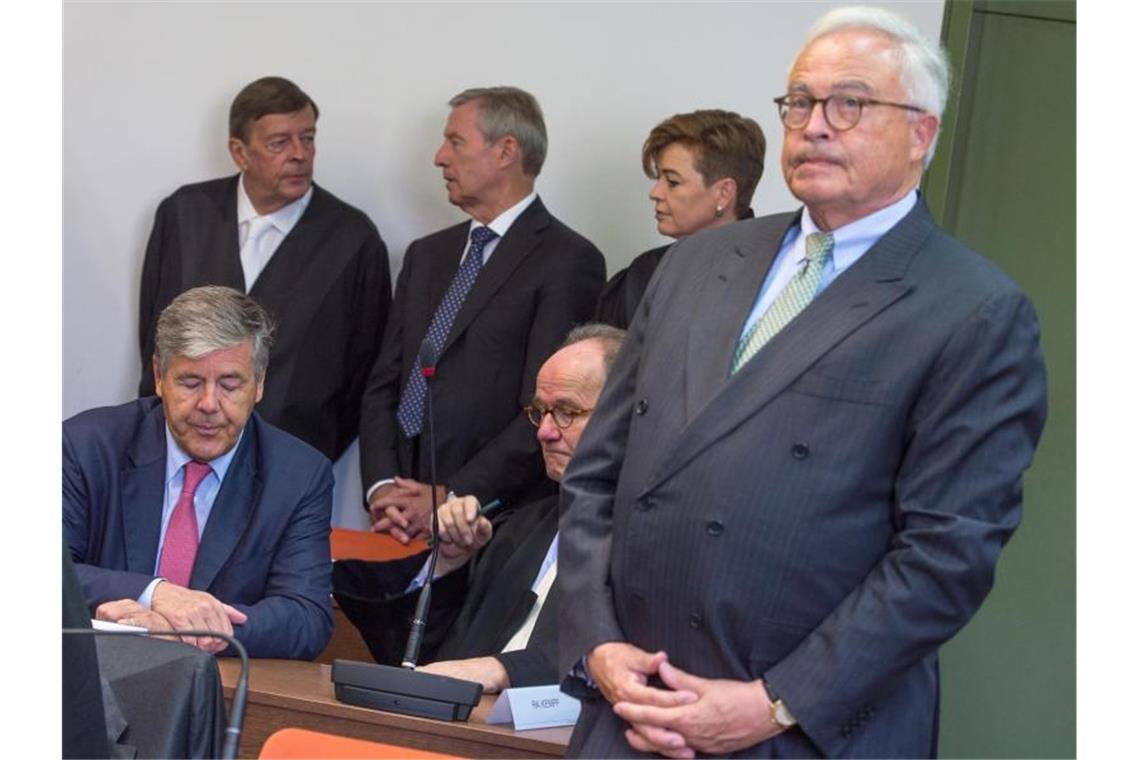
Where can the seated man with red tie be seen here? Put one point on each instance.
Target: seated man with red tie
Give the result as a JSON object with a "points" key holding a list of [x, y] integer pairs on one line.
{"points": [[188, 511]]}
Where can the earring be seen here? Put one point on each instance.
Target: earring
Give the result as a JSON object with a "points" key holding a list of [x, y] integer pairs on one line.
{"points": [[719, 211]]}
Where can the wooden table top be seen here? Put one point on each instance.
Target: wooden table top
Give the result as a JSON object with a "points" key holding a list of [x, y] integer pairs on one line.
{"points": [[284, 690]]}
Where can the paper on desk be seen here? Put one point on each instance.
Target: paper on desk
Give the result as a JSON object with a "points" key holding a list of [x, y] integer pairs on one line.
{"points": [[106, 625], [535, 707]]}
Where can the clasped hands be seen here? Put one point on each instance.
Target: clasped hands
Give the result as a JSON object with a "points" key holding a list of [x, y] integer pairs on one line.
{"points": [[403, 508], [715, 716], [174, 607]]}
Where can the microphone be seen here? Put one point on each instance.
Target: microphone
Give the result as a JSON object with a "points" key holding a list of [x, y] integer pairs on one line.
{"points": [[427, 357], [402, 689], [237, 707]]}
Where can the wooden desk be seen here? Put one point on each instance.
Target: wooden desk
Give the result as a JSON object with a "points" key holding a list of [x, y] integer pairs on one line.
{"points": [[284, 693]]}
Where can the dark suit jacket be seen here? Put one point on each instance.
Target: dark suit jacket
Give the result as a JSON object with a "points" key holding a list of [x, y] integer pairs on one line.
{"points": [[264, 550], [327, 286], [621, 295], [475, 611], [828, 516], [542, 279]]}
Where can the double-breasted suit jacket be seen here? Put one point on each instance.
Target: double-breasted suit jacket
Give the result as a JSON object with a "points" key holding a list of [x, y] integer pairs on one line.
{"points": [[826, 517]]}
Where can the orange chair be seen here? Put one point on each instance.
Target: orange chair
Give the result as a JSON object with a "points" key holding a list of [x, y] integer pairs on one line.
{"points": [[298, 743], [361, 544]]}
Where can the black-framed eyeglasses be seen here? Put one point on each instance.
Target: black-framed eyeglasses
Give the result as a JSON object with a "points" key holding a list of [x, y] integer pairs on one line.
{"points": [[562, 416], [842, 112]]}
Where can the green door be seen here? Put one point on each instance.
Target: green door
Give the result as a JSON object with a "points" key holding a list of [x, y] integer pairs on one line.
{"points": [[1005, 182]]}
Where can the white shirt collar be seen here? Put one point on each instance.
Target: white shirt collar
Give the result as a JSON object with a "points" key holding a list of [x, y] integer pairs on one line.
{"points": [[176, 458], [501, 223], [284, 218], [852, 240]]}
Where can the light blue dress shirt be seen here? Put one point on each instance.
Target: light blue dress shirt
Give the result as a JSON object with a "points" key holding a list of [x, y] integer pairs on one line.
{"points": [[851, 242], [176, 460]]}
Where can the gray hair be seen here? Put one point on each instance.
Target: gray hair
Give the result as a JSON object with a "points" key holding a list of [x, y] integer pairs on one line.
{"points": [[923, 66], [510, 111], [610, 337], [209, 318]]}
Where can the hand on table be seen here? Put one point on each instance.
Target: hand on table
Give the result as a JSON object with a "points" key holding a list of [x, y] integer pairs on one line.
{"points": [[486, 670], [197, 610], [130, 612]]}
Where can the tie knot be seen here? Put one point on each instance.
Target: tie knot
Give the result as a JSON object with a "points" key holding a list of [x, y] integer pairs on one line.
{"points": [[480, 236], [819, 245], [257, 226], [195, 472]]}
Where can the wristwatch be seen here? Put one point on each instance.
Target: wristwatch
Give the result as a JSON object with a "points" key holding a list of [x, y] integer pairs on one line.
{"points": [[780, 713]]}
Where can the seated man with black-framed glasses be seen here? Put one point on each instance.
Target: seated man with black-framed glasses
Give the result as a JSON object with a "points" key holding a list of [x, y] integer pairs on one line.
{"points": [[494, 609]]}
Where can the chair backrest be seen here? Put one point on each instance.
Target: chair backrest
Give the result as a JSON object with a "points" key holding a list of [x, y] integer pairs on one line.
{"points": [[363, 544], [297, 743]]}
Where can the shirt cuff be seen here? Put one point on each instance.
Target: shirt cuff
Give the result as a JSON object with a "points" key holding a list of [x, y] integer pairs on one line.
{"points": [[148, 592], [376, 485]]}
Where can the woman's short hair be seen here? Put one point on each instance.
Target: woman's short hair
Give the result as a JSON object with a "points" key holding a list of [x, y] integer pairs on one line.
{"points": [[724, 144]]}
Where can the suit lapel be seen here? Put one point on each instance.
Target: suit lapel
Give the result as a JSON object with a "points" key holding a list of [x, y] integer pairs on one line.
{"points": [[522, 238], [141, 499], [286, 267], [730, 291], [232, 510], [868, 288], [221, 264]]}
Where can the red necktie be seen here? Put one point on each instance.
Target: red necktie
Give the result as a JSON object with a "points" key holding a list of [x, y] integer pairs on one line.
{"points": [[181, 544]]}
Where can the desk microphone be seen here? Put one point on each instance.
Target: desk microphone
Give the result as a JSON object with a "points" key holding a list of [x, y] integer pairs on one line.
{"points": [[237, 707], [428, 356], [402, 689]]}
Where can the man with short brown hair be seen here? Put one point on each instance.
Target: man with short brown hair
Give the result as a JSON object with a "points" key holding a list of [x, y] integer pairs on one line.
{"points": [[317, 264]]}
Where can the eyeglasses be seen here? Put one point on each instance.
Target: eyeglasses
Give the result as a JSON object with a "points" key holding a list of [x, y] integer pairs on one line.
{"points": [[562, 417], [842, 112]]}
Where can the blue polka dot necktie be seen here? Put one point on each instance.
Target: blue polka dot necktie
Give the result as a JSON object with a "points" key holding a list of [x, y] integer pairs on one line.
{"points": [[793, 299], [410, 412]]}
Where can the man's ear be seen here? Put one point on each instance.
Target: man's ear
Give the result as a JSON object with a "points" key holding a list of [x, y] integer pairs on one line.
{"points": [[238, 152], [923, 130], [157, 375], [507, 151]]}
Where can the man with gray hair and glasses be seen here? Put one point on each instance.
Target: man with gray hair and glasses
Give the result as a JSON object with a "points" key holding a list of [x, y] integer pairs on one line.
{"points": [[799, 478], [494, 295], [188, 511]]}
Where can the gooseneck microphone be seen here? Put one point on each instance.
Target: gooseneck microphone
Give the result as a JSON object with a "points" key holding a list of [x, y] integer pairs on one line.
{"points": [[237, 706], [404, 689], [428, 356]]}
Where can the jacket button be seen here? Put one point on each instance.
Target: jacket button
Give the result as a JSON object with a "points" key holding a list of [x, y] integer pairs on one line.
{"points": [[696, 621], [800, 451], [641, 408], [714, 527]]}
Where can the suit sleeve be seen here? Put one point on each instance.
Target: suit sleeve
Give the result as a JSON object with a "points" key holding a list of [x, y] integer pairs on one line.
{"points": [[372, 303], [99, 584], [537, 663], [294, 617], [957, 500], [586, 522], [378, 427], [573, 278], [161, 237]]}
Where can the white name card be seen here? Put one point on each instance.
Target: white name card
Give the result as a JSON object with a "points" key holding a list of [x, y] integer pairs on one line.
{"points": [[535, 707]]}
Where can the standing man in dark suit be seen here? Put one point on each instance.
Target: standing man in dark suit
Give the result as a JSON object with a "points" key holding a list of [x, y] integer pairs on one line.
{"points": [[495, 622], [188, 510], [315, 263], [495, 295], [803, 468]]}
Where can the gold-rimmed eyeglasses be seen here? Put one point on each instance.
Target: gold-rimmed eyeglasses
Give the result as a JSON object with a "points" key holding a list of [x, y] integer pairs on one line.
{"points": [[842, 112]]}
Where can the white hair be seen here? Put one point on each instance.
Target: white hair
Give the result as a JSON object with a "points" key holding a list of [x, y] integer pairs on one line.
{"points": [[923, 66]]}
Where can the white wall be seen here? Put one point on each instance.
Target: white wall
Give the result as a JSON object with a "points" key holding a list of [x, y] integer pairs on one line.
{"points": [[147, 89]]}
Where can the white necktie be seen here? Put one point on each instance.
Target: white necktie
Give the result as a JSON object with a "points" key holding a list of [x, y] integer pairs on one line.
{"points": [[255, 251]]}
